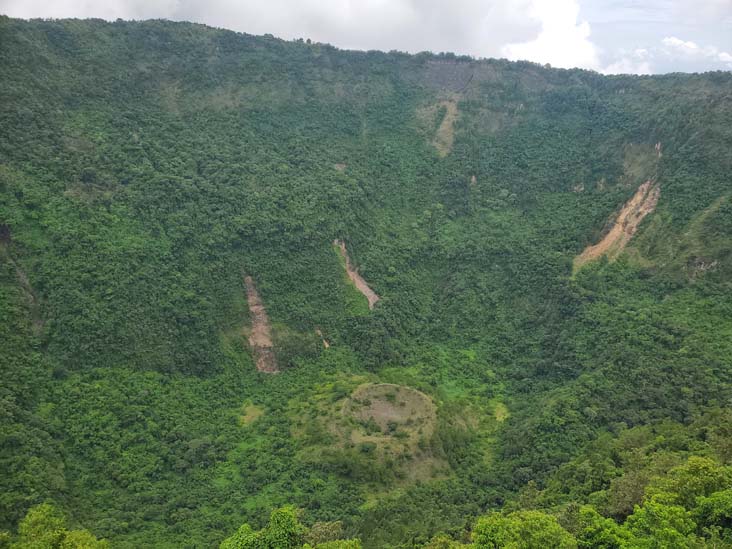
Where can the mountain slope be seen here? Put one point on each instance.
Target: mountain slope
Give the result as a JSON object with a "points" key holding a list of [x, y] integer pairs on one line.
{"points": [[147, 168]]}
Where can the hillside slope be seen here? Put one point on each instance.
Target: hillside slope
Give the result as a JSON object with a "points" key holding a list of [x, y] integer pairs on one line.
{"points": [[146, 168]]}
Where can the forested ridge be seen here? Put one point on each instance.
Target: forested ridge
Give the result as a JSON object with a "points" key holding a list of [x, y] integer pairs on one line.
{"points": [[497, 395]]}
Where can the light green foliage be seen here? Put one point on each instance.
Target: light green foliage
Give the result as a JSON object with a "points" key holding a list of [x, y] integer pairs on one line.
{"points": [[443, 541], [322, 532], [715, 511], [283, 531], [337, 544], [244, 537], [597, 532], [521, 530], [146, 167], [656, 525], [697, 478], [44, 527]]}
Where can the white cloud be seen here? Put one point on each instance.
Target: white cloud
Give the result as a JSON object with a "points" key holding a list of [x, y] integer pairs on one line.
{"points": [[108, 9], [627, 36], [670, 52], [627, 65], [691, 50], [637, 61], [678, 44], [562, 41], [474, 27]]}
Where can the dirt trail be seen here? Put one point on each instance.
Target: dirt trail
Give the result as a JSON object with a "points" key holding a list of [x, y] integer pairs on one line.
{"points": [[260, 338], [632, 213], [356, 278]]}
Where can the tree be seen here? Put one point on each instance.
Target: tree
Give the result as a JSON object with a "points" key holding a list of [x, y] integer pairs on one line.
{"points": [[336, 544], [284, 531], [44, 527], [715, 510], [521, 530], [658, 526], [698, 477], [598, 532], [443, 541]]}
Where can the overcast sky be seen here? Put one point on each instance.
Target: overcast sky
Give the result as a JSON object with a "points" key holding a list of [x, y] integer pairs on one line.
{"points": [[611, 36]]}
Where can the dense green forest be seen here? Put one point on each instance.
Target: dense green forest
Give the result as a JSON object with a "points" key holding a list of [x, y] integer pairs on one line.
{"points": [[146, 168]]}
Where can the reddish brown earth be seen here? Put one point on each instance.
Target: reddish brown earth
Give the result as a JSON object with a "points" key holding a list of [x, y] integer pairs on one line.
{"points": [[260, 337], [626, 224], [356, 278]]}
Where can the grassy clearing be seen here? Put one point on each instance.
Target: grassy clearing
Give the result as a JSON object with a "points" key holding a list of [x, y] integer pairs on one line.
{"points": [[250, 413]]}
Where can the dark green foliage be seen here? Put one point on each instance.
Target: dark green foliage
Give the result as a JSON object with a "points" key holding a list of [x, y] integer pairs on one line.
{"points": [[146, 168]]}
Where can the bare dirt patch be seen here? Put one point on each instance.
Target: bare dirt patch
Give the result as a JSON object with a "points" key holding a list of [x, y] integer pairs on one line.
{"points": [[356, 278], [260, 337], [319, 333], [445, 135], [625, 225], [340, 166], [437, 122]]}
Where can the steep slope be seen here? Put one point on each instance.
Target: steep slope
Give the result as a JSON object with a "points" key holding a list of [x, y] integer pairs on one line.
{"points": [[625, 225], [260, 337], [354, 277], [144, 166]]}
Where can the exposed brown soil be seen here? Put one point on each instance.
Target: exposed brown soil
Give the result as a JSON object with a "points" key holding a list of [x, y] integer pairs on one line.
{"points": [[260, 337], [626, 224], [341, 167], [445, 135], [356, 278], [319, 333]]}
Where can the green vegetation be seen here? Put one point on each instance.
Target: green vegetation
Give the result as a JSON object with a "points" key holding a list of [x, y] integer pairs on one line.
{"points": [[45, 528], [145, 167]]}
